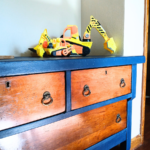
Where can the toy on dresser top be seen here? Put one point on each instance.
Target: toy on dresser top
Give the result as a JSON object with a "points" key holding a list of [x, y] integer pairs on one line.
{"points": [[52, 47], [73, 45]]}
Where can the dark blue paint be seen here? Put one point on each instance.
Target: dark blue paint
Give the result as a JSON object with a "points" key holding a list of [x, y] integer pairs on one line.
{"points": [[127, 144], [23, 66], [110, 142], [45, 121], [68, 91], [129, 124], [134, 74]]}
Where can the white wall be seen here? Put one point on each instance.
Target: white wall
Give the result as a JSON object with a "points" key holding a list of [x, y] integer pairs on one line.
{"points": [[133, 46], [23, 21]]}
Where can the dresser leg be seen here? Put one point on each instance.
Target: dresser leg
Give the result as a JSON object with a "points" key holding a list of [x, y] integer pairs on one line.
{"points": [[127, 144], [129, 123]]}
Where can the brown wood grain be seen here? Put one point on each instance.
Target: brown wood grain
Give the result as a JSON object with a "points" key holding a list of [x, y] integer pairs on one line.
{"points": [[21, 102], [103, 85], [146, 24], [74, 133]]}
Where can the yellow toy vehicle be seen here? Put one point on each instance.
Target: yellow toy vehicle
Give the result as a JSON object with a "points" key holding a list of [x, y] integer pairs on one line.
{"points": [[52, 47], [65, 46], [83, 47]]}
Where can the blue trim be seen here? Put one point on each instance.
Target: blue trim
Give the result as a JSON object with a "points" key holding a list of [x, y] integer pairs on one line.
{"points": [[127, 144], [134, 74], [45, 121], [23, 66], [129, 124], [68, 91], [110, 142]]}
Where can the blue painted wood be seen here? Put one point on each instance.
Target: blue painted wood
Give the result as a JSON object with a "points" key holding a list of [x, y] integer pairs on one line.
{"points": [[110, 142], [127, 144], [134, 74], [129, 123], [45, 121], [23, 66], [133, 58], [68, 91]]}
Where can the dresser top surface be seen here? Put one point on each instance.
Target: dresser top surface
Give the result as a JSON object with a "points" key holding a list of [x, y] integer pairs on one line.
{"points": [[72, 58], [32, 65]]}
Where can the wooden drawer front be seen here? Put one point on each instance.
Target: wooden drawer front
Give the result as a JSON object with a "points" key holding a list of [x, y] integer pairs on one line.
{"points": [[74, 133], [104, 84], [21, 102]]}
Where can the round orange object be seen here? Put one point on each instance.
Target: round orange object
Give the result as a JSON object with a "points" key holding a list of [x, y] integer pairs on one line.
{"points": [[45, 44]]}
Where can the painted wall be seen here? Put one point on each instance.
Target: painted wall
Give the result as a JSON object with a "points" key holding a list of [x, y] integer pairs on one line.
{"points": [[111, 16], [133, 46], [23, 21]]}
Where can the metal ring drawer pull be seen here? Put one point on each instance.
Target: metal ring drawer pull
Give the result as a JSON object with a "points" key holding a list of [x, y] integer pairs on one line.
{"points": [[122, 83], [47, 96], [86, 88], [118, 119]]}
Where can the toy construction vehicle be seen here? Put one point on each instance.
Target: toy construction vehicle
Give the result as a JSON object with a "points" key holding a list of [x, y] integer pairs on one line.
{"points": [[65, 46], [52, 47]]}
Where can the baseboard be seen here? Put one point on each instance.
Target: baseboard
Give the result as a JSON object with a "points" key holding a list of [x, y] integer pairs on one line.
{"points": [[136, 142]]}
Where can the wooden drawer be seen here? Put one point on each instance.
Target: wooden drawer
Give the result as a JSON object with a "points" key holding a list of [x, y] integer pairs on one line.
{"points": [[21, 101], [104, 84], [74, 133]]}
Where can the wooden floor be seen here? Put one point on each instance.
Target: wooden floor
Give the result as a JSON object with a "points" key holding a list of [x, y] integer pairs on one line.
{"points": [[146, 144]]}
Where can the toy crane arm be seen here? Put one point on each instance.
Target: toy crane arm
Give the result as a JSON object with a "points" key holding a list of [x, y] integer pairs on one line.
{"points": [[109, 43], [95, 24]]}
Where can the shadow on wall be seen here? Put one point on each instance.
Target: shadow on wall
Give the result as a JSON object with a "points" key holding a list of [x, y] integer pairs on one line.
{"points": [[111, 16], [24, 21]]}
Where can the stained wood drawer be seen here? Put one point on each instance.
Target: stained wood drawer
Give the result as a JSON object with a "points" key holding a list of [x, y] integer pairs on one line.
{"points": [[74, 133], [103, 83], [21, 102]]}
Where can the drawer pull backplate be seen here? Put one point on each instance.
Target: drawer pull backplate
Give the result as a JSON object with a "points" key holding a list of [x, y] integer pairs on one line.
{"points": [[118, 119], [86, 89], [47, 96], [122, 83]]}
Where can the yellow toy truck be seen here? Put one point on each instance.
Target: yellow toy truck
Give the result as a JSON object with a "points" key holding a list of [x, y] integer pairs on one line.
{"points": [[52, 47], [73, 45]]}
